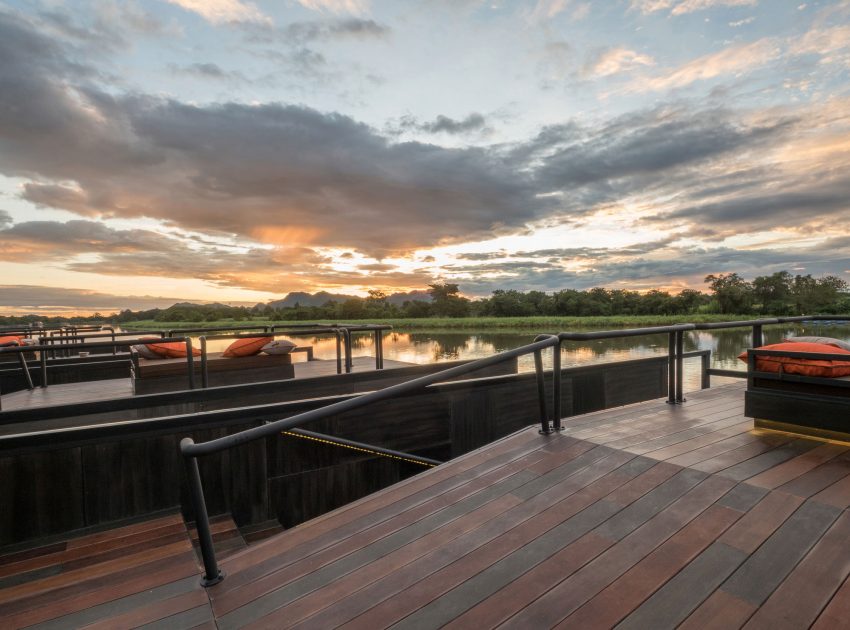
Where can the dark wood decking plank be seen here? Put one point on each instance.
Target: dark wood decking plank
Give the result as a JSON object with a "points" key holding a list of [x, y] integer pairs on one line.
{"points": [[793, 468], [837, 494], [605, 519], [741, 454], [727, 444], [768, 566], [819, 478], [369, 510], [636, 535], [721, 611], [666, 453], [200, 617], [837, 612], [449, 567], [75, 615], [273, 595], [54, 604], [758, 464], [104, 569], [155, 611], [619, 599], [322, 597], [282, 568], [761, 521], [798, 600], [571, 528], [674, 601]]}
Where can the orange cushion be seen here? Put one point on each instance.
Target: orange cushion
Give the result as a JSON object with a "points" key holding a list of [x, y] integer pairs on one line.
{"points": [[805, 367], [10, 339], [172, 349], [246, 347]]}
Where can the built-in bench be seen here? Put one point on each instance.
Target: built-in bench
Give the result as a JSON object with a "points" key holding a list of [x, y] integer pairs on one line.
{"points": [[151, 376]]}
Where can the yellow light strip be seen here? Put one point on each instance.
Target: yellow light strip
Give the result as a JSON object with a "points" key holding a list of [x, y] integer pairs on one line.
{"points": [[356, 448]]}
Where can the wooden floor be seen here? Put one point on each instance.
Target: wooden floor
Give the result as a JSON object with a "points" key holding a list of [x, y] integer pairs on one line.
{"points": [[647, 516], [91, 391]]}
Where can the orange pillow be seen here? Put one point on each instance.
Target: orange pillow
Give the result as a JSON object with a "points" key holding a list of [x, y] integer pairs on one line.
{"points": [[10, 339], [172, 349], [805, 367], [246, 347]]}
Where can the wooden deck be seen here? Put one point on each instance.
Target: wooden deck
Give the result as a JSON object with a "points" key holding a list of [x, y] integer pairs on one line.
{"points": [[647, 516], [70, 393]]}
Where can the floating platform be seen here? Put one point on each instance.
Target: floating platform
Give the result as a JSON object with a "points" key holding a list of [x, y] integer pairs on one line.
{"points": [[645, 516], [70, 393]]}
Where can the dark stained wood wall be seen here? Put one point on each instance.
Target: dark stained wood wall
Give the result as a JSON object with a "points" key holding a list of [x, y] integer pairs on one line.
{"points": [[65, 486]]}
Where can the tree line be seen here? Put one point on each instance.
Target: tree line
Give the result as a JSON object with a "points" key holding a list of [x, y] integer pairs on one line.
{"points": [[777, 294]]}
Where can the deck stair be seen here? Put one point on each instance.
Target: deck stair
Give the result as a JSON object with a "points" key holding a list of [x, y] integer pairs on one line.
{"points": [[260, 531], [227, 539], [132, 574]]}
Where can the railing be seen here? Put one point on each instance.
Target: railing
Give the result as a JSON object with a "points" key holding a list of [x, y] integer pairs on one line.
{"points": [[43, 350], [675, 350], [191, 451]]}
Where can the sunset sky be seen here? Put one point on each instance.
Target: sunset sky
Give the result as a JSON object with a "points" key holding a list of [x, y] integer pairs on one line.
{"points": [[236, 151]]}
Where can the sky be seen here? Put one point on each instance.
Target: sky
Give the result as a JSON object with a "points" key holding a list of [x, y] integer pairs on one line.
{"points": [[234, 151]]}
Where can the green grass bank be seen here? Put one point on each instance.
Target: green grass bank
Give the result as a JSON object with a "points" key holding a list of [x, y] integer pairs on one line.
{"points": [[538, 323]]}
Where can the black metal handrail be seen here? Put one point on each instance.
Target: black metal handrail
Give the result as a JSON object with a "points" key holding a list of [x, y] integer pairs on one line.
{"points": [[191, 451], [675, 351], [43, 350]]}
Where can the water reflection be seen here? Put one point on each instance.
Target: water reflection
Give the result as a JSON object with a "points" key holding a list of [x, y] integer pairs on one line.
{"points": [[451, 345]]}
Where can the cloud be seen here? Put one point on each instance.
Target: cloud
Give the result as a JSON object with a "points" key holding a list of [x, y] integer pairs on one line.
{"points": [[547, 9], [474, 122], [207, 70], [616, 60], [681, 7], [224, 11], [47, 300], [739, 58], [354, 7], [334, 29]]}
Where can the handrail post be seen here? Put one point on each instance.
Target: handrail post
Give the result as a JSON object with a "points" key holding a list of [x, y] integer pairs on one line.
{"points": [[204, 376], [338, 351], [545, 429], [680, 359], [190, 362], [42, 355], [346, 337], [671, 369], [212, 574], [758, 340], [556, 386], [706, 363]]}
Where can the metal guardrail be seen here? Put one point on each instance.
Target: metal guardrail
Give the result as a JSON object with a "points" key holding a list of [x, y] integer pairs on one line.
{"points": [[191, 451], [44, 349]]}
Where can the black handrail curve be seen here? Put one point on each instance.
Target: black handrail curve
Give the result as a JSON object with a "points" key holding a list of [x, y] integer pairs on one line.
{"points": [[191, 451]]}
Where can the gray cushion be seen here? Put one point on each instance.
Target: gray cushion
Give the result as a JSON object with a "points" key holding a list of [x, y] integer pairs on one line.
{"points": [[147, 353], [278, 346]]}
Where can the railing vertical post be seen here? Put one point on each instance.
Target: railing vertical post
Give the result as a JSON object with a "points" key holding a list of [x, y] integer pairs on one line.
{"points": [[680, 359], [758, 338], [376, 337], [381, 346], [671, 369], [556, 386], [42, 355], [541, 393], [204, 375], [346, 337], [212, 574], [338, 352], [706, 377], [190, 362], [26, 369]]}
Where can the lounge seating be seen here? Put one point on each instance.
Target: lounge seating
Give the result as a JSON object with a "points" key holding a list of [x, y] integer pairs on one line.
{"points": [[151, 376]]}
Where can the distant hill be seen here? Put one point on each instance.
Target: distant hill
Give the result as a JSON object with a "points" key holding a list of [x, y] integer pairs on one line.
{"points": [[322, 297]]}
